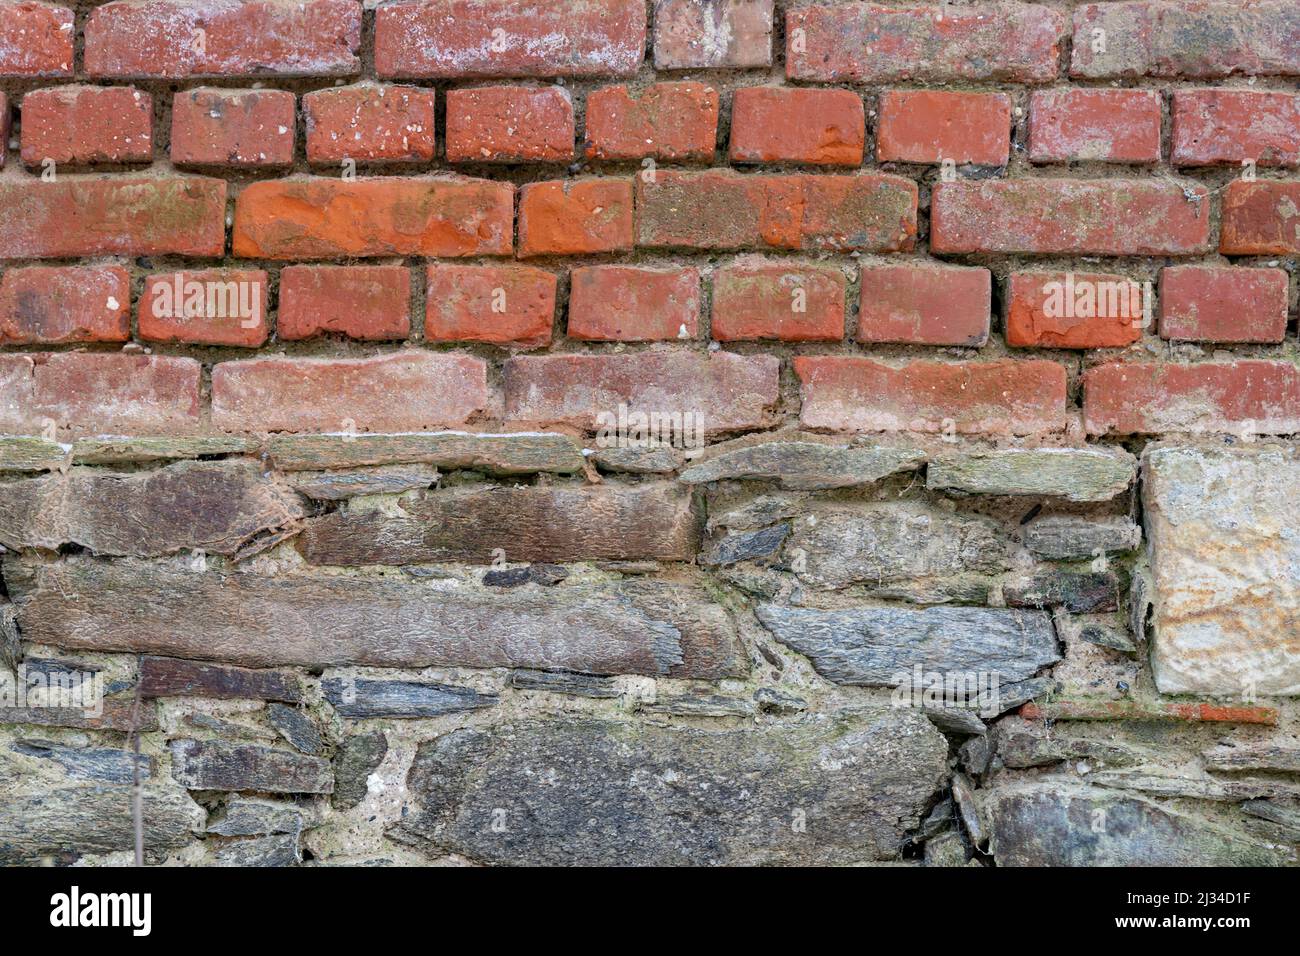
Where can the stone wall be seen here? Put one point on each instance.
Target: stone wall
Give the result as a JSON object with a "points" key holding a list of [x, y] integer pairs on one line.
{"points": [[386, 573]]}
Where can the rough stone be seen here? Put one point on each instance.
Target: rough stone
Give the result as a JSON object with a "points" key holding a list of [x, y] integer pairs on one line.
{"points": [[296, 727], [215, 765], [638, 461], [356, 759], [131, 450], [747, 546], [1074, 474], [89, 763], [19, 453], [1067, 537], [278, 850], [701, 705], [574, 685], [248, 816], [1254, 756], [359, 698], [802, 465], [170, 677], [381, 480], [1082, 592], [518, 454]]}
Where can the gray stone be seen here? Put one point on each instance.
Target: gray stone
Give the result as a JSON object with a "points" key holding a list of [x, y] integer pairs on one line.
{"points": [[1021, 744], [1105, 636], [247, 816], [11, 645], [209, 506], [772, 701], [128, 450], [170, 677], [893, 542], [280, 850], [19, 453], [955, 720], [1073, 474], [544, 574], [296, 727], [1225, 563], [638, 461], [316, 620], [101, 764], [1282, 757], [1068, 537], [701, 705], [872, 645], [801, 465], [969, 811], [1059, 824], [518, 454], [1081, 592], [759, 512], [574, 685], [381, 480], [946, 850], [214, 765], [360, 697], [1165, 783], [746, 546], [594, 792], [1286, 816], [1015, 693], [356, 759]]}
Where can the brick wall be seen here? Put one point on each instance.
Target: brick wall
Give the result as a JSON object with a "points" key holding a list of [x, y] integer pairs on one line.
{"points": [[330, 333]]}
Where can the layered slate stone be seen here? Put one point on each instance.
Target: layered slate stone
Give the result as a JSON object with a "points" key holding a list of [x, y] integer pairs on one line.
{"points": [[802, 465], [1225, 561], [208, 506], [170, 677], [1067, 537], [319, 620], [600, 792], [654, 521], [18, 453], [1074, 474], [872, 646], [360, 697], [511, 454], [1062, 824], [216, 765]]}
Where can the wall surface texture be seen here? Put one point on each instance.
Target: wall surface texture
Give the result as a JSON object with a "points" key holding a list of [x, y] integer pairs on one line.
{"points": [[334, 337]]}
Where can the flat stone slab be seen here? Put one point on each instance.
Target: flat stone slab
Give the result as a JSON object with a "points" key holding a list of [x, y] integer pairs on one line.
{"points": [[505, 454], [1074, 474], [828, 790], [216, 765], [802, 465], [22, 453], [361, 697], [1225, 562]]}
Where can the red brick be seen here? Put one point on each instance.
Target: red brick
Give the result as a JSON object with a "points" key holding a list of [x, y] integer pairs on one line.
{"points": [[5, 122], [727, 392], [1223, 304], [1079, 310], [325, 218], [36, 39], [1254, 396], [497, 38], [369, 123], [724, 210], [372, 303], [183, 38], [868, 43], [666, 121], [790, 301], [1261, 218], [112, 215], [633, 304], [1005, 397], [87, 124], [206, 307], [239, 128], [54, 305], [1084, 217], [1187, 38], [406, 391], [703, 34], [924, 304], [574, 217], [1112, 126], [503, 305], [929, 126], [1225, 127], [99, 393], [510, 124], [782, 125]]}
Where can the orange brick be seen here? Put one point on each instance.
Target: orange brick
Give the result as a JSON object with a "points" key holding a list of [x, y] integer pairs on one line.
{"points": [[789, 125], [510, 124], [1065, 310], [372, 303], [667, 121], [237, 128], [54, 305], [930, 126], [87, 124], [1114, 126], [1223, 304], [575, 217], [793, 302], [503, 305], [209, 307], [924, 305], [633, 304], [369, 123]]}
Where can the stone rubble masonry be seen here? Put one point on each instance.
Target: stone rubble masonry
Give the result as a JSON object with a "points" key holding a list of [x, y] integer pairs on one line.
{"points": [[519, 432]]}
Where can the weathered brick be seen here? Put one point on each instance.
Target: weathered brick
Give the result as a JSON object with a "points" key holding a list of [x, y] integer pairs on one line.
{"points": [[772, 124], [724, 210], [207, 307], [1004, 397], [1114, 126], [239, 128], [97, 393], [1227, 127], [1223, 304], [321, 218], [704, 34], [1085, 217], [633, 304], [575, 217], [724, 391], [87, 124], [1248, 396], [665, 121], [1261, 218], [54, 305], [867, 43], [510, 124], [1069, 310], [495, 38], [106, 215], [371, 303], [369, 123], [182, 38], [929, 126], [793, 302], [504, 305], [405, 391], [36, 39], [924, 304], [1195, 38]]}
